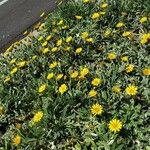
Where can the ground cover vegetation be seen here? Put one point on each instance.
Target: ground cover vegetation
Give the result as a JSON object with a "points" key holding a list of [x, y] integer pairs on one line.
{"points": [[79, 80]]}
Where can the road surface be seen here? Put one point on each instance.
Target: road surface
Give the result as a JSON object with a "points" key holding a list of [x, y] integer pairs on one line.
{"points": [[18, 15]]}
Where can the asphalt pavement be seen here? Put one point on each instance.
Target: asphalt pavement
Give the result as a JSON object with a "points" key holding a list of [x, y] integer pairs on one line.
{"points": [[18, 15]]}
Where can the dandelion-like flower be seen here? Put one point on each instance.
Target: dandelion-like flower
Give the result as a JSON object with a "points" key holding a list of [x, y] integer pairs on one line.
{"points": [[146, 71], [115, 125], [37, 117], [63, 88], [96, 109], [92, 93], [42, 88], [131, 90], [96, 81], [16, 140]]}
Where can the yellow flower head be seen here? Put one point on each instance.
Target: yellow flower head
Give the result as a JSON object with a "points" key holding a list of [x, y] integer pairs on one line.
{"points": [[78, 17], [145, 38], [13, 61], [50, 75], [78, 50], [16, 140], [14, 70], [107, 32], [21, 64], [1, 110], [69, 39], [84, 71], [63, 88], [124, 58], [116, 89], [54, 49], [119, 24], [84, 35], [111, 56], [74, 74], [40, 38], [86, 1], [7, 79], [59, 42], [96, 81], [42, 88], [37, 117], [90, 40], [129, 68], [67, 48], [18, 125], [45, 50], [95, 16], [143, 19], [126, 34], [92, 93], [104, 5], [60, 22], [53, 65], [146, 71], [96, 109], [48, 37], [115, 125], [131, 90], [59, 76], [44, 44]]}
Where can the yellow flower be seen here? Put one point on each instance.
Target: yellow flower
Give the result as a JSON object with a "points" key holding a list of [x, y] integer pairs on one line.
{"points": [[126, 34], [146, 71], [63, 88], [92, 93], [143, 19], [124, 58], [78, 17], [60, 22], [96, 109], [107, 32], [54, 49], [129, 68], [115, 125], [67, 48], [14, 70], [84, 71], [104, 5], [50, 75], [95, 16], [16, 140], [59, 76], [69, 39], [45, 50], [21, 64], [90, 40], [116, 89], [111, 56], [84, 35], [145, 38], [34, 57], [1, 110], [102, 12], [48, 37], [53, 65], [40, 38], [96, 81], [44, 44], [59, 42], [13, 61], [7, 79], [37, 117], [74, 74], [42, 88], [86, 1], [18, 125], [131, 90], [119, 24], [78, 50]]}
